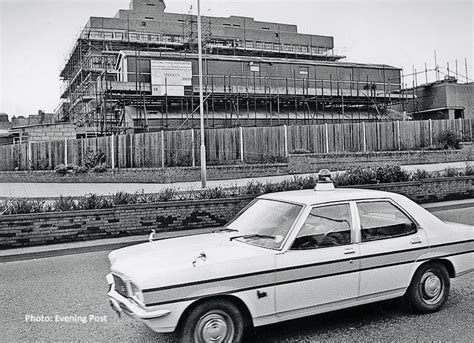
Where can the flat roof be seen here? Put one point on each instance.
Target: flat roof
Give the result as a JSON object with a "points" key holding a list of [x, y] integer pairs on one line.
{"points": [[311, 196]]}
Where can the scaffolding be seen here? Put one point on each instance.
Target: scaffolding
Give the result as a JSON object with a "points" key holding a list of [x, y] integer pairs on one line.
{"points": [[97, 101]]}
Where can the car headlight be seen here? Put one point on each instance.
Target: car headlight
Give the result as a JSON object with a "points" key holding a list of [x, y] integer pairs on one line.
{"points": [[137, 293]]}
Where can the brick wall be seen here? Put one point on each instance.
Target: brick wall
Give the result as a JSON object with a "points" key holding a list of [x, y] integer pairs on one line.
{"points": [[148, 175], [50, 132], [430, 190], [308, 163], [50, 228]]}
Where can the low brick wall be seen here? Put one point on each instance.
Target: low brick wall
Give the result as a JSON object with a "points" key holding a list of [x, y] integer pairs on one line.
{"points": [[308, 163], [50, 228], [148, 175], [430, 190]]}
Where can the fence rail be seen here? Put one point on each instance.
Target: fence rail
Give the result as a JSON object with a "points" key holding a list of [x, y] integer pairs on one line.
{"points": [[245, 144]]}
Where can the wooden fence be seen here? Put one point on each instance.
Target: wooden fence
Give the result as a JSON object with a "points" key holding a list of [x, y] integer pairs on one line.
{"points": [[223, 146]]}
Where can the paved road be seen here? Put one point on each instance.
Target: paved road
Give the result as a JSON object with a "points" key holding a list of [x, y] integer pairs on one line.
{"points": [[73, 287], [51, 190]]}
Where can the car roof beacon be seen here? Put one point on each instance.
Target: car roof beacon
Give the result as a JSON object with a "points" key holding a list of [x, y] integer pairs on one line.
{"points": [[324, 181]]}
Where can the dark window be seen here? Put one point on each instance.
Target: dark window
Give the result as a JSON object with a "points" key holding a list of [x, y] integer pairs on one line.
{"points": [[143, 23], [227, 25], [382, 219], [265, 28], [236, 25], [326, 226], [151, 4], [149, 18]]}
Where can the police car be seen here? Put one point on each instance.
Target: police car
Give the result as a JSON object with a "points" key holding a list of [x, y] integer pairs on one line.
{"points": [[289, 255]]}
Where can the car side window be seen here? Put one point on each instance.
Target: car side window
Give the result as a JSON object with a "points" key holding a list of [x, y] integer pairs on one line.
{"points": [[326, 226], [382, 219]]}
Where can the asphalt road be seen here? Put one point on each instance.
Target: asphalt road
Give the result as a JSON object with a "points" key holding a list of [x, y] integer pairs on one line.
{"points": [[73, 288]]}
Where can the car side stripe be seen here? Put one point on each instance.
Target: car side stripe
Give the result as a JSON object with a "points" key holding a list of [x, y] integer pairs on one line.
{"points": [[231, 277], [303, 279]]}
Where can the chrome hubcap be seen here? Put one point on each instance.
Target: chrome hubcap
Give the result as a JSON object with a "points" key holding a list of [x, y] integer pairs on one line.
{"points": [[431, 288], [214, 327]]}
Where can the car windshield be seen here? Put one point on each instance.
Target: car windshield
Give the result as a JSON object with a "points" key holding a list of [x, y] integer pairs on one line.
{"points": [[265, 223]]}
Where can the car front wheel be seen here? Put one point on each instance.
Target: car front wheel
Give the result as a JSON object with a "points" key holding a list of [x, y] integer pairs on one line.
{"points": [[429, 288], [213, 321]]}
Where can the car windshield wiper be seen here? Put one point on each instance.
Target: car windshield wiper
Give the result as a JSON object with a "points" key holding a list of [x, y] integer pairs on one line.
{"points": [[253, 235], [224, 229]]}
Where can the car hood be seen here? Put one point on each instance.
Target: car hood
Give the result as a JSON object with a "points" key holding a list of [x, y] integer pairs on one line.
{"points": [[170, 261]]}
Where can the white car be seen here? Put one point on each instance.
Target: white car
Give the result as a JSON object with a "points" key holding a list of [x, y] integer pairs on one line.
{"points": [[289, 255]]}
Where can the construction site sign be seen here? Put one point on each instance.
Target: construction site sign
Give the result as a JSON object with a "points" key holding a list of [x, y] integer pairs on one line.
{"points": [[170, 77]]}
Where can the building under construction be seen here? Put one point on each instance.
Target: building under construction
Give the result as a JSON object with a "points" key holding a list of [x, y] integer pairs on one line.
{"points": [[138, 71]]}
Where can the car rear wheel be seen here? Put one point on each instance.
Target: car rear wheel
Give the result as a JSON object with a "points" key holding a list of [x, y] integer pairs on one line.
{"points": [[213, 321], [429, 288]]}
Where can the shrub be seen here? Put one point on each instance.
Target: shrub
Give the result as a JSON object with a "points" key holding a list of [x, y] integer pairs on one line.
{"points": [[93, 201], [122, 198], [93, 158], [420, 174], [101, 168], [61, 169], [388, 173], [81, 170], [268, 159], [23, 206], [469, 170], [253, 188], [451, 172], [64, 204], [300, 152], [448, 139], [167, 194], [356, 176], [212, 193]]}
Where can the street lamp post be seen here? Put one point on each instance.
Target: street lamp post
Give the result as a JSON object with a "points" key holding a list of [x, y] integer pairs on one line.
{"points": [[201, 100]]}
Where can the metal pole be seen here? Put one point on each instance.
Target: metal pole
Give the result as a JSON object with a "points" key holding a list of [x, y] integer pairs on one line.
{"points": [[465, 65], [201, 100]]}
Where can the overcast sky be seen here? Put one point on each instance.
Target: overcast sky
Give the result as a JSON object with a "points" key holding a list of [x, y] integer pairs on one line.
{"points": [[37, 35]]}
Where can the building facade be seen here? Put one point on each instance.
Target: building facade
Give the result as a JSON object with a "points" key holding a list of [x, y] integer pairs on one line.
{"points": [[445, 99], [138, 72]]}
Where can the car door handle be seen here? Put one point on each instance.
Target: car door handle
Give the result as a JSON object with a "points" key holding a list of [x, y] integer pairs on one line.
{"points": [[415, 240], [349, 251]]}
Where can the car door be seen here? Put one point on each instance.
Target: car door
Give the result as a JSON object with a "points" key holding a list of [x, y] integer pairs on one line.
{"points": [[320, 269], [390, 243]]}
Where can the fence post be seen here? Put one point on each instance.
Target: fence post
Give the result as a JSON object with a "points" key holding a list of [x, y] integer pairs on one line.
{"points": [[470, 127], [131, 151], [326, 129], [430, 131], [193, 151], [162, 149], [286, 140], [398, 135], [65, 152], [30, 155], [112, 152], [460, 128], [364, 138], [241, 133]]}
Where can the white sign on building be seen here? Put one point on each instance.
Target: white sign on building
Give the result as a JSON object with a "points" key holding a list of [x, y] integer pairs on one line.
{"points": [[170, 77]]}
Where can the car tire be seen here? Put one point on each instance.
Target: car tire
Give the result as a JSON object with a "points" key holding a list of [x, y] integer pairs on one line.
{"points": [[429, 288], [213, 321]]}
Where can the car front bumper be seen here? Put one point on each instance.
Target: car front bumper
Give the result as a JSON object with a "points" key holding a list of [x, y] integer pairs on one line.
{"points": [[120, 305]]}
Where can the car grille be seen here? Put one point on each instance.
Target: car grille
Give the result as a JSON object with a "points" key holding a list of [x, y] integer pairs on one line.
{"points": [[120, 286]]}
